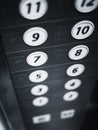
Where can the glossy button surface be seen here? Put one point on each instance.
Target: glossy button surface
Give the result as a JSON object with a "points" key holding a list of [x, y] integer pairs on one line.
{"points": [[39, 90], [38, 76], [72, 84], [82, 29], [33, 9], [70, 96], [35, 36], [75, 70], [86, 6], [37, 58], [41, 119], [78, 52], [67, 114], [40, 101]]}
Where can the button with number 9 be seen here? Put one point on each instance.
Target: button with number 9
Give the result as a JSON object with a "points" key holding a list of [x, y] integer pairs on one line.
{"points": [[75, 70], [33, 9], [82, 29], [78, 52], [86, 6], [35, 36]]}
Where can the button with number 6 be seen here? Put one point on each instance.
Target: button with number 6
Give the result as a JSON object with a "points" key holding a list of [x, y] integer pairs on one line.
{"points": [[38, 76], [33, 9], [37, 58], [78, 52], [82, 29], [86, 6], [75, 70], [35, 36]]}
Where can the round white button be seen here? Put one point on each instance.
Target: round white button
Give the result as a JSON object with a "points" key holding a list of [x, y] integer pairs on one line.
{"points": [[39, 90], [78, 52], [70, 96], [86, 6], [72, 84], [38, 76], [75, 70], [37, 58], [33, 9], [40, 101], [35, 36], [82, 29]]}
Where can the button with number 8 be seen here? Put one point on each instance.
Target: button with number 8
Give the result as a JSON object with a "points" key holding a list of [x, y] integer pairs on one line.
{"points": [[86, 6], [82, 29], [33, 9], [75, 70], [78, 52], [35, 36]]}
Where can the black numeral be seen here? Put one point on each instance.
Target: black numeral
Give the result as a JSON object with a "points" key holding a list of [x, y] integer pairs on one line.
{"points": [[78, 52], [83, 30], [75, 70], [35, 37], [37, 58], [90, 3]]}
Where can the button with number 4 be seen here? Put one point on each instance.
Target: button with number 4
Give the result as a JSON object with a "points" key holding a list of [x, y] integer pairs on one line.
{"points": [[33, 9], [70, 96], [82, 29], [37, 58], [86, 6], [35, 36], [78, 52], [39, 90], [75, 70], [38, 76], [72, 84], [40, 101]]}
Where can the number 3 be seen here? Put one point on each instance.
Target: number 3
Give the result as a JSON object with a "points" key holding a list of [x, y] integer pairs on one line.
{"points": [[86, 6]]}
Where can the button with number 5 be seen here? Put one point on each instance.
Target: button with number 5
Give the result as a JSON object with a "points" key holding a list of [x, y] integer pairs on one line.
{"points": [[78, 52], [86, 6], [38, 76], [33, 9], [35, 36], [82, 29], [37, 58], [75, 70]]}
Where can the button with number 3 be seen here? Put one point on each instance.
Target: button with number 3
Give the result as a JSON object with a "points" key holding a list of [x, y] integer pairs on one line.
{"points": [[35, 36], [75, 70], [33, 9], [86, 6], [37, 58], [39, 90], [38, 76], [82, 29], [78, 52]]}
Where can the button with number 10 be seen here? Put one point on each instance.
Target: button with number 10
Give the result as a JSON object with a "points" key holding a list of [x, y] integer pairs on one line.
{"points": [[82, 29]]}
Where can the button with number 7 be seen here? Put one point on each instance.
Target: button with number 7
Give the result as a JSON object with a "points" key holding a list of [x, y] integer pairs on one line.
{"points": [[37, 58], [78, 52]]}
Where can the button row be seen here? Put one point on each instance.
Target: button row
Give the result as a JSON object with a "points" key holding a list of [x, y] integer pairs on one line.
{"points": [[47, 117], [40, 90], [37, 36], [35, 9]]}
